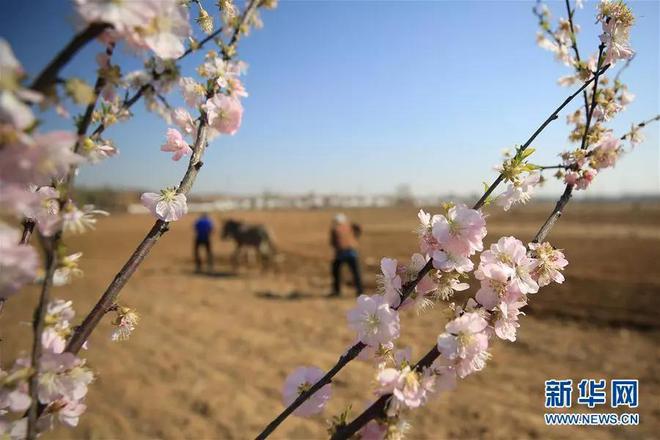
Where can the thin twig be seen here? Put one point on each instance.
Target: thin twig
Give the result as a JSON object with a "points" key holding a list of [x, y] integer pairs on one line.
{"points": [[49, 75], [641, 125], [553, 167], [590, 110], [408, 288], [574, 45]]}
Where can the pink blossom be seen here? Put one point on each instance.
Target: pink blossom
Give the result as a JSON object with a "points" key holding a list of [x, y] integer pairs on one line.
{"points": [[9, 65], [18, 263], [495, 286], [59, 314], [192, 91], [70, 412], [419, 298], [615, 37], [408, 387], [52, 375], [448, 284], [461, 231], [390, 281], [160, 25], [448, 262], [580, 179], [15, 398], [165, 33], [122, 15], [464, 337], [167, 206], [510, 253], [224, 113], [635, 136], [378, 353], [176, 144], [18, 198], [14, 111], [46, 211], [568, 80], [417, 263], [235, 88], [96, 151], [549, 263], [52, 340], [125, 324], [469, 365], [506, 319], [427, 243], [606, 152], [520, 192], [223, 72], [184, 121], [48, 156], [373, 320], [77, 220], [301, 380], [445, 373], [626, 98], [465, 342], [587, 177], [60, 310], [571, 177]]}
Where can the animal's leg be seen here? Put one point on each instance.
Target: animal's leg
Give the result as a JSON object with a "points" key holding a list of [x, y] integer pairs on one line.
{"points": [[235, 257]]}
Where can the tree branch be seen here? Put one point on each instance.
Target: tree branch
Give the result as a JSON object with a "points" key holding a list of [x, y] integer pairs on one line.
{"points": [[574, 46], [28, 224], [377, 409], [82, 332], [50, 248], [408, 288], [38, 327], [49, 75]]}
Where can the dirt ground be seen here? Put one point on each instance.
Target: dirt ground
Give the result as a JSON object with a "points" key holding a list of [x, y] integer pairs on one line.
{"points": [[211, 352]]}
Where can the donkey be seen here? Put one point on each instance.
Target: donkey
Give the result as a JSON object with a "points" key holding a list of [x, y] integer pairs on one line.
{"points": [[248, 236]]}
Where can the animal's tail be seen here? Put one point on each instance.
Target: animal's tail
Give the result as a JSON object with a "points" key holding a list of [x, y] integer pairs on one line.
{"points": [[272, 244]]}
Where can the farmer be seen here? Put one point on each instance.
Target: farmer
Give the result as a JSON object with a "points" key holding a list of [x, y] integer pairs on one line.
{"points": [[343, 239], [203, 229]]}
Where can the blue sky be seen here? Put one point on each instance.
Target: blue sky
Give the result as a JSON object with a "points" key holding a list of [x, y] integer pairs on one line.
{"points": [[359, 97]]}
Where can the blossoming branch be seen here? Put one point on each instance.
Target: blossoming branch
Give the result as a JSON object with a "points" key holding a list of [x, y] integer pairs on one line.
{"points": [[508, 272], [38, 171]]}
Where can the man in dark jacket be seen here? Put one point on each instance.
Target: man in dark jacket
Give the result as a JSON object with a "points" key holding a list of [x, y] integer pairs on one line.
{"points": [[343, 239], [203, 230]]}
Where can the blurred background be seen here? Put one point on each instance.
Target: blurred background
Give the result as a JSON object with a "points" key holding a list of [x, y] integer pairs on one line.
{"points": [[373, 109]]}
